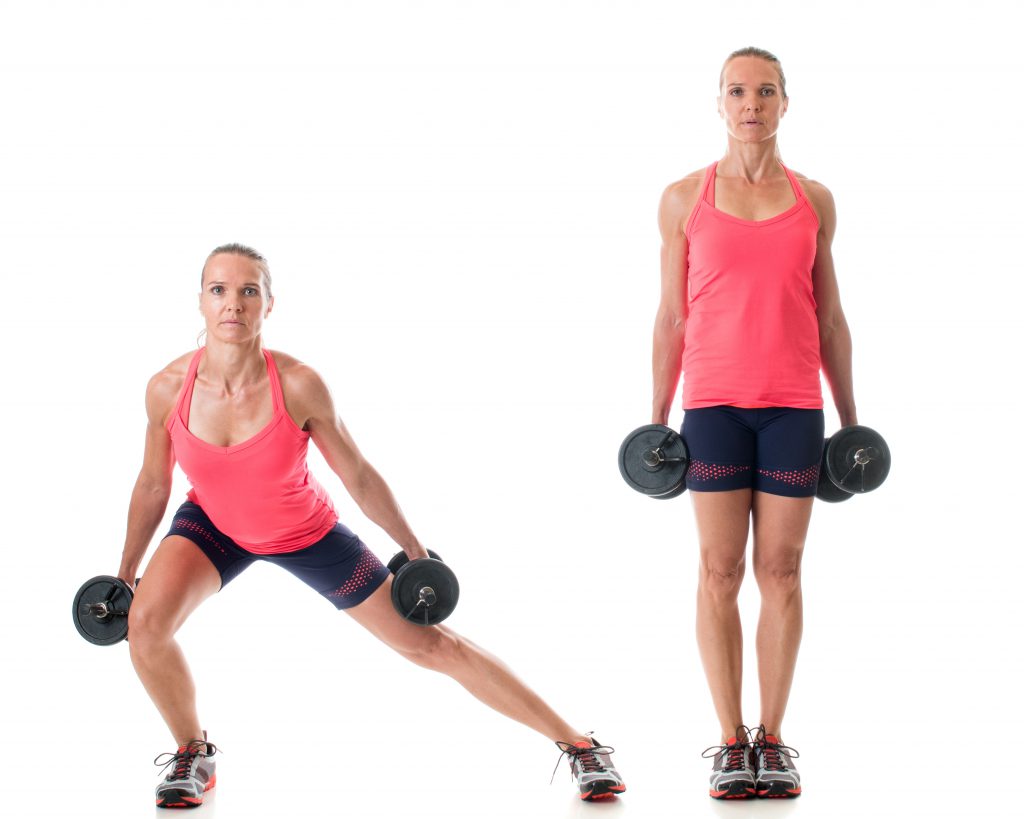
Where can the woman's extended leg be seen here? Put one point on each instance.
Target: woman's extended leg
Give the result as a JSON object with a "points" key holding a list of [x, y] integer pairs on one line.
{"points": [[482, 674]]}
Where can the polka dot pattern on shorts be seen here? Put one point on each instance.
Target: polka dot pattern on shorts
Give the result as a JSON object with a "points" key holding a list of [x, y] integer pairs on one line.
{"points": [[196, 529], [364, 572], [702, 471], [794, 477]]}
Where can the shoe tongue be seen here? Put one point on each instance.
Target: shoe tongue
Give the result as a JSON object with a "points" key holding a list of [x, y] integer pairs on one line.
{"points": [[774, 740], [731, 741], [585, 745]]}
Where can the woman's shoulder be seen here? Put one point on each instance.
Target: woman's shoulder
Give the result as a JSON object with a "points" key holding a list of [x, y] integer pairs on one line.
{"points": [[297, 377], [686, 188], [306, 393], [164, 386], [678, 201], [820, 196], [290, 367]]}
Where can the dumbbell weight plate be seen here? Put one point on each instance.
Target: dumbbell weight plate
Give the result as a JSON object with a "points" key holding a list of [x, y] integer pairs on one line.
{"points": [[401, 558], [857, 459], [102, 593], [675, 493], [416, 575], [661, 476], [828, 491]]}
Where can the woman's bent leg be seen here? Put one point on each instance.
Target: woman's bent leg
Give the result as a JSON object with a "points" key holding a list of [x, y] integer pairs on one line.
{"points": [[178, 578]]}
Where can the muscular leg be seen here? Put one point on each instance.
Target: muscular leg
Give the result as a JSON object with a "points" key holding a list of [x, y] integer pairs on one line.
{"points": [[178, 578], [780, 529], [723, 522], [482, 674]]}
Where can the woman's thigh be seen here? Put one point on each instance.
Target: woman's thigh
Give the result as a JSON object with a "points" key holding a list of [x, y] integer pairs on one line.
{"points": [[178, 578]]}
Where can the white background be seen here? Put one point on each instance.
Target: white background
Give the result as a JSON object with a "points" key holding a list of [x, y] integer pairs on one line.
{"points": [[458, 203]]}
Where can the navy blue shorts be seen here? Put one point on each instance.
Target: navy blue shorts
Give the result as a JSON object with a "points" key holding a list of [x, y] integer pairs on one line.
{"points": [[339, 565], [774, 449]]}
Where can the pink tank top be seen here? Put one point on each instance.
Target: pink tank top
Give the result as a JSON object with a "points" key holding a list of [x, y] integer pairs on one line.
{"points": [[752, 330], [260, 493]]}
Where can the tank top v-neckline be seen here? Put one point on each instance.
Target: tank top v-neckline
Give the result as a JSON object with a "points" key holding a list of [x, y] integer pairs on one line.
{"points": [[708, 195], [184, 407]]}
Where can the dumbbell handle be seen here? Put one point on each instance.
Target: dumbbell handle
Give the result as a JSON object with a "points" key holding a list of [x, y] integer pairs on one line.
{"points": [[102, 610], [427, 598], [865, 455], [653, 457], [861, 458]]}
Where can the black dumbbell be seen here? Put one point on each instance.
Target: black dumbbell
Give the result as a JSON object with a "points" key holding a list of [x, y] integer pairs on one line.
{"points": [[100, 610], [653, 460], [425, 591], [854, 460]]}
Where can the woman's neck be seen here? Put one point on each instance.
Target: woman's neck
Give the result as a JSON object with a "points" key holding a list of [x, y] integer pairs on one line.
{"points": [[751, 161], [233, 365]]}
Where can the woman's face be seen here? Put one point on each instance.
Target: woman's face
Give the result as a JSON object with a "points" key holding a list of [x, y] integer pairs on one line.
{"points": [[233, 301], [751, 101]]}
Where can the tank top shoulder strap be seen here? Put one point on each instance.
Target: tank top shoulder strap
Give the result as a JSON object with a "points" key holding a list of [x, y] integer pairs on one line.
{"points": [[797, 189], [275, 383], [707, 192], [707, 186], [184, 403]]}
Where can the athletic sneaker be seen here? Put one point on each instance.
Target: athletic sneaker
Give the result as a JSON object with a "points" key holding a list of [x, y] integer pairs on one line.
{"points": [[777, 776], [732, 773], [592, 770], [192, 773]]}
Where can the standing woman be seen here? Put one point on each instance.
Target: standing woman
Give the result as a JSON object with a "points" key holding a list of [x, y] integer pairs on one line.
{"points": [[749, 314], [238, 419]]}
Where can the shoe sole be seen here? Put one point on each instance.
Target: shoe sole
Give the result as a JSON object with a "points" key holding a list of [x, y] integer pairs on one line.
{"points": [[778, 790], [601, 791], [173, 799], [176, 800], [735, 790]]}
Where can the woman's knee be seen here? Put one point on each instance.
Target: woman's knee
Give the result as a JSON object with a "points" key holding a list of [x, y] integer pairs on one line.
{"points": [[438, 649], [148, 625], [721, 577], [779, 575]]}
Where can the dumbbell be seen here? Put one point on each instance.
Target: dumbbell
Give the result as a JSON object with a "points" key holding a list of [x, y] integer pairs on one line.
{"points": [[424, 591], [854, 460], [100, 610], [653, 460]]}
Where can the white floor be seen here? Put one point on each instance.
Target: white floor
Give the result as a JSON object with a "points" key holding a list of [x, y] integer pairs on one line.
{"points": [[471, 791], [396, 741]]}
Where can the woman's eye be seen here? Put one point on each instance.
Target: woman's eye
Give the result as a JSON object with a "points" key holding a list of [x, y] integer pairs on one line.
{"points": [[767, 92], [216, 290], [251, 291]]}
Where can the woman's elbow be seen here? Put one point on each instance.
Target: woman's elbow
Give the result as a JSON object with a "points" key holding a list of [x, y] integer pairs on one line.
{"points": [[670, 323]]}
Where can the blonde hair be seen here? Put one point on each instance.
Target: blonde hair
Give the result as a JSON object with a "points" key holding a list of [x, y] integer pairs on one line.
{"points": [[240, 250], [752, 51]]}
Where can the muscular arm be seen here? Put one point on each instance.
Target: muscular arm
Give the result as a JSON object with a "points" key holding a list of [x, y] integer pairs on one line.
{"points": [[311, 398], [834, 338], [153, 486], [670, 323]]}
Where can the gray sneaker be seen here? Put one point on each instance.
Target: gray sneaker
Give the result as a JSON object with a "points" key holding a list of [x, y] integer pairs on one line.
{"points": [[192, 773], [592, 769], [732, 772], [777, 776]]}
